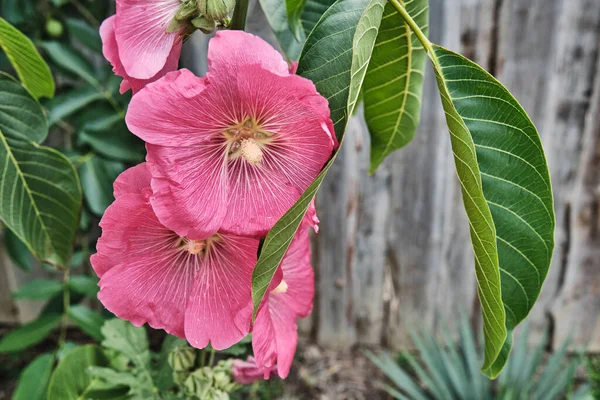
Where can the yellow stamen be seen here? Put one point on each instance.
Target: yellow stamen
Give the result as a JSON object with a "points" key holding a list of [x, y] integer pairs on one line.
{"points": [[251, 151], [195, 246]]}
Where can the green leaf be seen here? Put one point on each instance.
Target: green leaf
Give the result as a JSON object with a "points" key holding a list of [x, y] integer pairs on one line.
{"points": [[21, 117], [313, 11], [40, 198], [97, 177], [85, 285], [17, 251], [331, 53], [108, 135], [65, 104], [294, 11], [70, 380], [129, 340], [69, 59], [84, 33], [89, 321], [394, 82], [30, 66], [506, 192], [336, 61], [275, 12], [41, 289], [34, 379], [29, 334], [164, 378]]}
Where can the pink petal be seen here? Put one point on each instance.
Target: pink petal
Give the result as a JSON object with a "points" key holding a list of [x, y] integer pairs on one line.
{"points": [[230, 50], [220, 309], [275, 336], [173, 111], [246, 372], [144, 44], [153, 277], [135, 180], [189, 188], [111, 53], [299, 275]]}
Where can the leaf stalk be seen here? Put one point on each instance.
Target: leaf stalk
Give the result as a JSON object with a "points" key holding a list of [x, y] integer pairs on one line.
{"points": [[413, 25]]}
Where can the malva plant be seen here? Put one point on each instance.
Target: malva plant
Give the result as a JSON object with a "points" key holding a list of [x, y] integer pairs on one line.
{"points": [[208, 239]]}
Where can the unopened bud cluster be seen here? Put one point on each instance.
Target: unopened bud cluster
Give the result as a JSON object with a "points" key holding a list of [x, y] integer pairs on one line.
{"points": [[201, 14]]}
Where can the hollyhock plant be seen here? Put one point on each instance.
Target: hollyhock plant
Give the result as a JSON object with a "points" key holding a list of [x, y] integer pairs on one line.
{"points": [[234, 150], [194, 289], [110, 49], [275, 332]]}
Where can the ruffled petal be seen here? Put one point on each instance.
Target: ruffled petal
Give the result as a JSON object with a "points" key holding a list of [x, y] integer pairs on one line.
{"points": [[153, 276], [299, 275], [173, 111], [230, 50], [135, 180], [144, 44], [110, 51], [246, 372], [220, 309], [189, 188], [275, 336]]}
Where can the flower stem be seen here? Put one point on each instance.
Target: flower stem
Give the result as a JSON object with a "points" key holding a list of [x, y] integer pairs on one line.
{"points": [[413, 26], [211, 360], [240, 13]]}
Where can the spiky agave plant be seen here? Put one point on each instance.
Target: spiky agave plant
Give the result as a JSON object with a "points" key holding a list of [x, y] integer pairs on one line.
{"points": [[450, 370]]}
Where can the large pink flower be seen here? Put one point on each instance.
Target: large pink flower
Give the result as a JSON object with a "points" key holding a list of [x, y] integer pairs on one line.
{"points": [[234, 150], [110, 49], [275, 332], [144, 43], [196, 289]]}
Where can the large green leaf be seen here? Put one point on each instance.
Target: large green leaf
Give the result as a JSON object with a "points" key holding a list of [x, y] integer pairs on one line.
{"points": [[40, 198], [30, 66], [34, 379], [313, 11], [29, 334], [507, 194], [335, 58], [66, 104], [21, 117], [394, 81], [344, 35], [71, 380]]}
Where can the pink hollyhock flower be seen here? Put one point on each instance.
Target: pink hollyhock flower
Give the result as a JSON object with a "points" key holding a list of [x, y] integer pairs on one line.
{"points": [[145, 44], [233, 150], [275, 332], [110, 49], [246, 372], [195, 289]]}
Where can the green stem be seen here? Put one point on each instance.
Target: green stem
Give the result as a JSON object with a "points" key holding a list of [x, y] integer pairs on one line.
{"points": [[413, 25], [240, 13], [211, 360], [66, 304]]}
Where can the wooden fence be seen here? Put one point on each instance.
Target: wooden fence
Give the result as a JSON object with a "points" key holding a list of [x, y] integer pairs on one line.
{"points": [[393, 251]]}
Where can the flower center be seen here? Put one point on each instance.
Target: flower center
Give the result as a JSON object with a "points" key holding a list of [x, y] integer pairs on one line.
{"points": [[282, 288], [198, 247], [247, 140]]}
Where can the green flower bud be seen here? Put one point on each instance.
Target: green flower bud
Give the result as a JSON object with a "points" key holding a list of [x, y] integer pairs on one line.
{"points": [[216, 9], [54, 28], [186, 10], [182, 359], [199, 383], [204, 24]]}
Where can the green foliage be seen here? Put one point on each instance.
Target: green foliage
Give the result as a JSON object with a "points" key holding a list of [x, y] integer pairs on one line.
{"points": [[294, 11], [33, 71], [338, 77], [85, 285], [21, 116], [34, 379], [97, 176], [89, 321], [17, 250], [394, 82], [29, 334], [450, 371], [41, 289]]}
